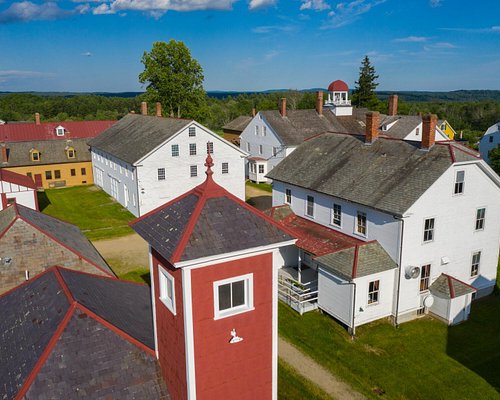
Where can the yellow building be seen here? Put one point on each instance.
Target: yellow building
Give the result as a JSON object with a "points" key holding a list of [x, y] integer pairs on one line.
{"points": [[51, 163], [447, 129]]}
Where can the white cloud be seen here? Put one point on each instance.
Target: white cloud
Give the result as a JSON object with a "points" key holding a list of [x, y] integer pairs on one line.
{"points": [[316, 5], [12, 75], [273, 28], [435, 3], [27, 11], [87, 54], [492, 29], [348, 12], [254, 4], [102, 9], [444, 45], [412, 39]]}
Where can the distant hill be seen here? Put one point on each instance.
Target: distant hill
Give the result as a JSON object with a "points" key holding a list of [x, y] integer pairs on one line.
{"points": [[417, 96]]}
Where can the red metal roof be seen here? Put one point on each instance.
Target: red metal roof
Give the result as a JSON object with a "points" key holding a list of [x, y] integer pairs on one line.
{"points": [[338, 86], [312, 237], [47, 130], [18, 179]]}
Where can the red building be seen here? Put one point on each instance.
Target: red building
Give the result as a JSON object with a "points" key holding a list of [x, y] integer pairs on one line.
{"points": [[214, 262]]}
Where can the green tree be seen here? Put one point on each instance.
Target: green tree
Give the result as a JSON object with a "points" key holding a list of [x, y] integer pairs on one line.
{"points": [[494, 156], [173, 78], [364, 92]]}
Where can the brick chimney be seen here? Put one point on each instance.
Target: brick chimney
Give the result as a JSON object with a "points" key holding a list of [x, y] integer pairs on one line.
{"points": [[319, 102], [254, 112], [37, 118], [429, 122], [158, 109], [5, 158], [283, 106], [144, 108], [372, 124], [393, 104]]}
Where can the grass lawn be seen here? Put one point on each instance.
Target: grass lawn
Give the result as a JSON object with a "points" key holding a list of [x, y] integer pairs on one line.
{"points": [[422, 359], [89, 208], [262, 186], [292, 386]]}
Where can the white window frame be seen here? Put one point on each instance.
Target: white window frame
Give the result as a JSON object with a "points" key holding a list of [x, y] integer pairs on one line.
{"points": [[311, 215], [256, 130], [264, 130], [459, 187], [433, 230], [60, 131], [288, 196], [377, 291], [225, 168], [336, 215], [192, 149], [247, 306], [164, 279], [475, 265], [248, 147], [261, 149], [357, 220], [193, 171], [261, 169], [480, 220], [192, 131], [425, 280], [210, 147], [174, 149], [162, 175]]}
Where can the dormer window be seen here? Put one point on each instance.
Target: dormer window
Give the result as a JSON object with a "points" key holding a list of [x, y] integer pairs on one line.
{"points": [[60, 130], [70, 152], [35, 155]]}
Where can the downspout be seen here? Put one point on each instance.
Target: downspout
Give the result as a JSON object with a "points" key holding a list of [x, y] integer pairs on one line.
{"points": [[353, 330], [399, 274]]}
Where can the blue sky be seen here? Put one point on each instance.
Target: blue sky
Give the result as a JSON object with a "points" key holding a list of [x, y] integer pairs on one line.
{"points": [[97, 45]]}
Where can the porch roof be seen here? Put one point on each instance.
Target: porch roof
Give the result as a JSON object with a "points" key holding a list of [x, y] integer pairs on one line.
{"points": [[449, 287]]}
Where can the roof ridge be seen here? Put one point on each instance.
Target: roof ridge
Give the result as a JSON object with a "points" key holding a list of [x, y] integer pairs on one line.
{"points": [[355, 262], [450, 286], [458, 280]]}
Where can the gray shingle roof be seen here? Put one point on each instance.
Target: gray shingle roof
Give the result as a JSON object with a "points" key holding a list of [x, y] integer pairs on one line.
{"points": [[448, 287], [404, 125], [7, 215], [66, 233], [371, 258], [204, 222], [51, 152], [134, 136], [90, 361], [89, 357], [238, 124], [388, 175], [29, 318], [121, 303]]}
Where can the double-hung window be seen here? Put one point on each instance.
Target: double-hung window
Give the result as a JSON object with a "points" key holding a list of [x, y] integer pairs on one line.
{"points": [[175, 150], [167, 289], [225, 168], [261, 169], [425, 274], [161, 174], [192, 131], [192, 149], [480, 215], [459, 182], [361, 223], [337, 215], [310, 206], [288, 196], [476, 259], [429, 230], [233, 296], [193, 170], [210, 148], [373, 292]]}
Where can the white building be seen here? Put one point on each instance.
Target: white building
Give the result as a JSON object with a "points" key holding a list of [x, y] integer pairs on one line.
{"points": [[432, 207], [489, 141], [144, 161], [17, 188], [272, 135]]}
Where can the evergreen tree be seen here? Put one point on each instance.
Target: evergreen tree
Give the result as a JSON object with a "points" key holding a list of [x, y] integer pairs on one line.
{"points": [[494, 156], [174, 78], [364, 92]]}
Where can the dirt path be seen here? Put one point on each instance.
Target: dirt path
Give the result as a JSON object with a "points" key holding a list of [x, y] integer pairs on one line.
{"points": [[130, 252], [311, 370], [260, 199]]}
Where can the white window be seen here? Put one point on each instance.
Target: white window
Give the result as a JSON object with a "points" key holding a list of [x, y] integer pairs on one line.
{"points": [[476, 259], [337, 215], [373, 292], [134, 202], [60, 131], [210, 148], [424, 277], [193, 171], [459, 182], [260, 149], [257, 130], [288, 196], [167, 289], [264, 131], [225, 168], [192, 131], [429, 230], [275, 151], [175, 150], [192, 149], [310, 206], [261, 168], [417, 132], [480, 215], [361, 223], [233, 296], [248, 147], [161, 174], [121, 170]]}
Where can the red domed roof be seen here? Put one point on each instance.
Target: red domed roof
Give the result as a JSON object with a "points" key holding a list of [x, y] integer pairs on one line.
{"points": [[338, 86]]}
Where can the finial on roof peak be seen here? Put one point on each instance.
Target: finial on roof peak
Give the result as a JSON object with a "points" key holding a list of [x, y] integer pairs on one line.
{"points": [[209, 163]]}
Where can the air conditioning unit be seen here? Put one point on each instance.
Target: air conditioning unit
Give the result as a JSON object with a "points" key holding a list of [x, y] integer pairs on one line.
{"points": [[412, 272]]}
